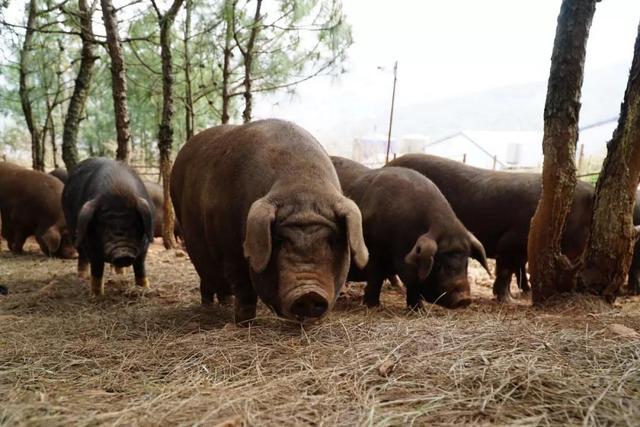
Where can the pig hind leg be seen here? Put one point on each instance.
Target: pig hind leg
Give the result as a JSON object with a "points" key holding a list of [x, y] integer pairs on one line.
{"points": [[502, 284], [523, 281]]}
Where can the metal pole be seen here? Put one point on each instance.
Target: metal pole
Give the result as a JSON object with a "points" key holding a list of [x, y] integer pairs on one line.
{"points": [[393, 100]]}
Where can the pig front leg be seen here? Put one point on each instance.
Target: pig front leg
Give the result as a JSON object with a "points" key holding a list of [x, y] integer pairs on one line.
{"points": [[97, 279], [139, 271]]}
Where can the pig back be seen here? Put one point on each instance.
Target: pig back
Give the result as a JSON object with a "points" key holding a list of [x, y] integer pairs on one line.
{"points": [[222, 171], [99, 177]]}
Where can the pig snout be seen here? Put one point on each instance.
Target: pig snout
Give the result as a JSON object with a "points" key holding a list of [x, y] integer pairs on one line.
{"points": [[306, 303], [459, 300], [459, 294], [122, 255]]}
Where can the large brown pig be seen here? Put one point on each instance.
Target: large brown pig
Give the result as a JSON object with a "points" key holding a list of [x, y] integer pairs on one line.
{"points": [[410, 230], [111, 215], [30, 206], [497, 207], [262, 214]]}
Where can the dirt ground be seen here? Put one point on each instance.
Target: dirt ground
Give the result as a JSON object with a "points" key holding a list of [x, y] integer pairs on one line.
{"points": [[155, 357]]}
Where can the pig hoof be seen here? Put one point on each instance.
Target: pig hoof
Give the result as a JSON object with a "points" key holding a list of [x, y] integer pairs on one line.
{"points": [[143, 282], [97, 286], [505, 298], [245, 315], [225, 300]]}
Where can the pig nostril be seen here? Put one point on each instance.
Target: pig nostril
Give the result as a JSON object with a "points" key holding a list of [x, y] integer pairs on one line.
{"points": [[309, 305]]}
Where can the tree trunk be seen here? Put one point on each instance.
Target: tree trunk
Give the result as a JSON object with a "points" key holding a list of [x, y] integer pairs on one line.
{"points": [[37, 147], [551, 271], [189, 117], [165, 132], [118, 80], [248, 63], [229, 16], [610, 246], [81, 88]]}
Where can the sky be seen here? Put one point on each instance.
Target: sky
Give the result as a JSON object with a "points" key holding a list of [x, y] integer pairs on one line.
{"points": [[444, 49]]}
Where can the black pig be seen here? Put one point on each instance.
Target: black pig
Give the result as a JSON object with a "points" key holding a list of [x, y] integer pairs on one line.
{"points": [[111, 215]]}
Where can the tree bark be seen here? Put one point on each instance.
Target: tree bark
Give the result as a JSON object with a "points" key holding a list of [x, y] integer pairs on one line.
{"points": [[78, 99], [37, 145], [610, 245], [229, 17], [248, 53], [189, 117], [165, 132], [551, 271], [118, 80]]}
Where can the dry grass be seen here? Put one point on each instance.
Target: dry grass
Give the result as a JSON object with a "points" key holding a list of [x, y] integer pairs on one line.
{"points": [[155, 357]]}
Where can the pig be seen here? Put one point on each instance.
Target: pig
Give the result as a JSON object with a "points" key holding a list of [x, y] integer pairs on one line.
{"points": [[30, 206], [111, 215], [410, 231], [60, 173], [634, 270], [157, 197], [263, 215], [497, 207]]}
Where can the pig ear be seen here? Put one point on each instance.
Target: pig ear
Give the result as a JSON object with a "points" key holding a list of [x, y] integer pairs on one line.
{"points": [[347, 209], [147, 217], [477, 252], [51, 239], [421, 255], [84, 218], [257, 241]]}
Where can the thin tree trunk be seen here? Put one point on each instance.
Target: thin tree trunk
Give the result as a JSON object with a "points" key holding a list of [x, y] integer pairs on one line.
{"points": [[229, 17], [248, 63], [118, 80], [189, 117], [610, 246], [551, 271], [165, 132], [81, 89], [37, 150]]}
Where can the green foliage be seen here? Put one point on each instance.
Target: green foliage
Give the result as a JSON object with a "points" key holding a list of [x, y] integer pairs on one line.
{"points": [[297, 40]]}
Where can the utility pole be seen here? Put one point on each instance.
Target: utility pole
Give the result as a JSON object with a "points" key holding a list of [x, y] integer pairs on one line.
{"points": [[393, 100]]}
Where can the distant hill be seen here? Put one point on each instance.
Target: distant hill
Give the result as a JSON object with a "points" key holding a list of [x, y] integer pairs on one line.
{"points": [[518, 107]]}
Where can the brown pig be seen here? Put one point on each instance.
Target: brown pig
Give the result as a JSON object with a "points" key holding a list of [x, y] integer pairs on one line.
{"points": [[263, 215], [30, 206], [411, 231]]}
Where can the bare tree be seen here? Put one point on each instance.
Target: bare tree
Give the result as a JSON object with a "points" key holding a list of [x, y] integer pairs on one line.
{"points": [[550, 270], [165, 132], [37, 144], [189, 114], [610, 246], [248, 53], [118, 80], [78, 99], [229, 22]]}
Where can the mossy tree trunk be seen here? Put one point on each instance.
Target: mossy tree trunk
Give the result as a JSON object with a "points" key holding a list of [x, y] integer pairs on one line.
{"points": [[165, 131], [78, 99], [551, 271], [118, 80], [610, 246]]}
